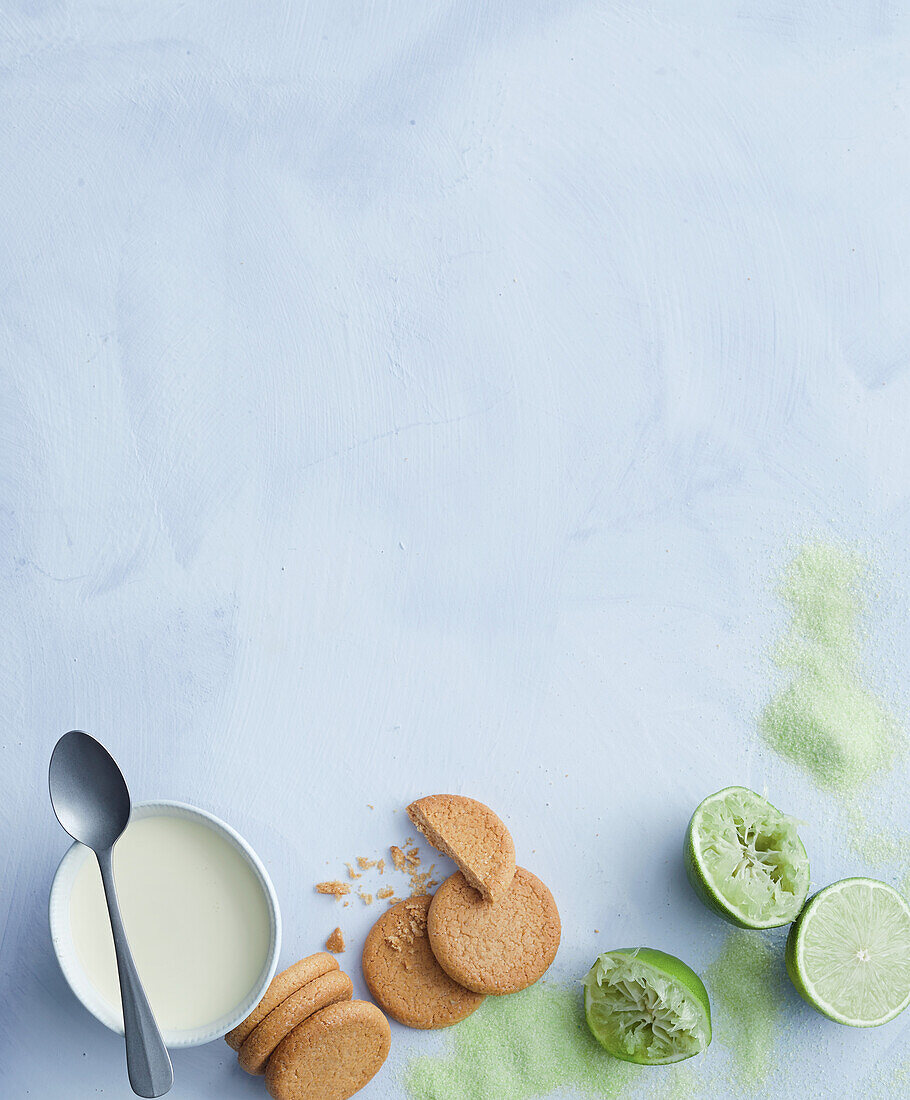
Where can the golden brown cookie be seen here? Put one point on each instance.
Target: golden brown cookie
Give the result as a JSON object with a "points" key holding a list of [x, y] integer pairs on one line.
{"points": [[402, 973], [280, 988], [331, 1055], [494, 947], [309, 998], [470, 834]]}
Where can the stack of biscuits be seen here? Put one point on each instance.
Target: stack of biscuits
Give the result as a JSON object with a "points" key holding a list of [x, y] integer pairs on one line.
{"points": [[491, 928], [308, 1038]]}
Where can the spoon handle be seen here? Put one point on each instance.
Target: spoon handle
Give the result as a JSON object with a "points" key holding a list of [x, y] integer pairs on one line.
{"points": [[147, 1060]]}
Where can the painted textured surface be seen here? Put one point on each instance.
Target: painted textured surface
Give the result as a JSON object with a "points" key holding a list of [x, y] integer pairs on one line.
{"points": [[423, 395]]}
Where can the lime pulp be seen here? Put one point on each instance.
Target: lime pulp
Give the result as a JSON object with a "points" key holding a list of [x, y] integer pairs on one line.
{"points": [[848, 954], [745, 860], [646, 1006]]}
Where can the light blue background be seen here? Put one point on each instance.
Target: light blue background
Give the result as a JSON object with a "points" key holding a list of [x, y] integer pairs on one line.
{"points": [[412, 396]]}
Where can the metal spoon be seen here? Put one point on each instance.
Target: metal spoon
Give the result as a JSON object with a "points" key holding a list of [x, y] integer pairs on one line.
{"points": [[92, 803]]}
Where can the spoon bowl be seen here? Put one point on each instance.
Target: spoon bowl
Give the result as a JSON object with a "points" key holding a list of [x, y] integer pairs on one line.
{"points": [[88, 791]]}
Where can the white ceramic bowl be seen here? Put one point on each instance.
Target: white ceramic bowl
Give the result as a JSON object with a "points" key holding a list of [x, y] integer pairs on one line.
{"points": [[65, 949]]}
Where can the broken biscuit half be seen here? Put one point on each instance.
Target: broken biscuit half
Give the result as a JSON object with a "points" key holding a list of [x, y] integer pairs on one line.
{"points": [[469, 833]]}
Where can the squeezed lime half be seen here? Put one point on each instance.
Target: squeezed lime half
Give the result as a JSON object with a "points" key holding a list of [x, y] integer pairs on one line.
{"points": [[848, 954], [647, 1007], [745, 860]]}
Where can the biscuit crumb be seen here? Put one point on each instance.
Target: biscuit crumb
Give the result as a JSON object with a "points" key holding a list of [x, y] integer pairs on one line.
{"points": [[381, 866], [385, 892], [335, 942], [398, 858], [417, 920], [365, 864], [414, 928], [394, 900], [335, 889], [412, 855], [367, 899], [420, 883], [352, 873]]}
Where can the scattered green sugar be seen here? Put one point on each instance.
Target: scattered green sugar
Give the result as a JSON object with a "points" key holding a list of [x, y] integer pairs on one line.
{"points": [[835, 730], [747, 981], [874, 844], [881, 847], [822, 586], [521, 1046], [888, 1080], [826, 720], [692, 1080]]}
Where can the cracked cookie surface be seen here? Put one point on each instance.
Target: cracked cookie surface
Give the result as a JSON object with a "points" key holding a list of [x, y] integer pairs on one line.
{"points": [[470, 834], [403, 975], [494, 947], [331, 1055]]}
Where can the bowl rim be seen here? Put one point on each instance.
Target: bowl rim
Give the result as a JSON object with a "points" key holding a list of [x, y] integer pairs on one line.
{"points": [[65, 948]]}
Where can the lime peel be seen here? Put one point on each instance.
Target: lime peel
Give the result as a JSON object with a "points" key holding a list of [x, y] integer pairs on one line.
{"points": [[745, 860], [646, 1006]]}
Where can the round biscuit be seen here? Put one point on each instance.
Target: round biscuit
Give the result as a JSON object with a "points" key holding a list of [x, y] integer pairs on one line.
{"points": [[402, 973], [494, 947], [331, 1055]]}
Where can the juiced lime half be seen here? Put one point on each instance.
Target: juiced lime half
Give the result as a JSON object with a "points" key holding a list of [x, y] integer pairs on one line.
{"points": [[745, 860], [848, 954], [647, 1007]]}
